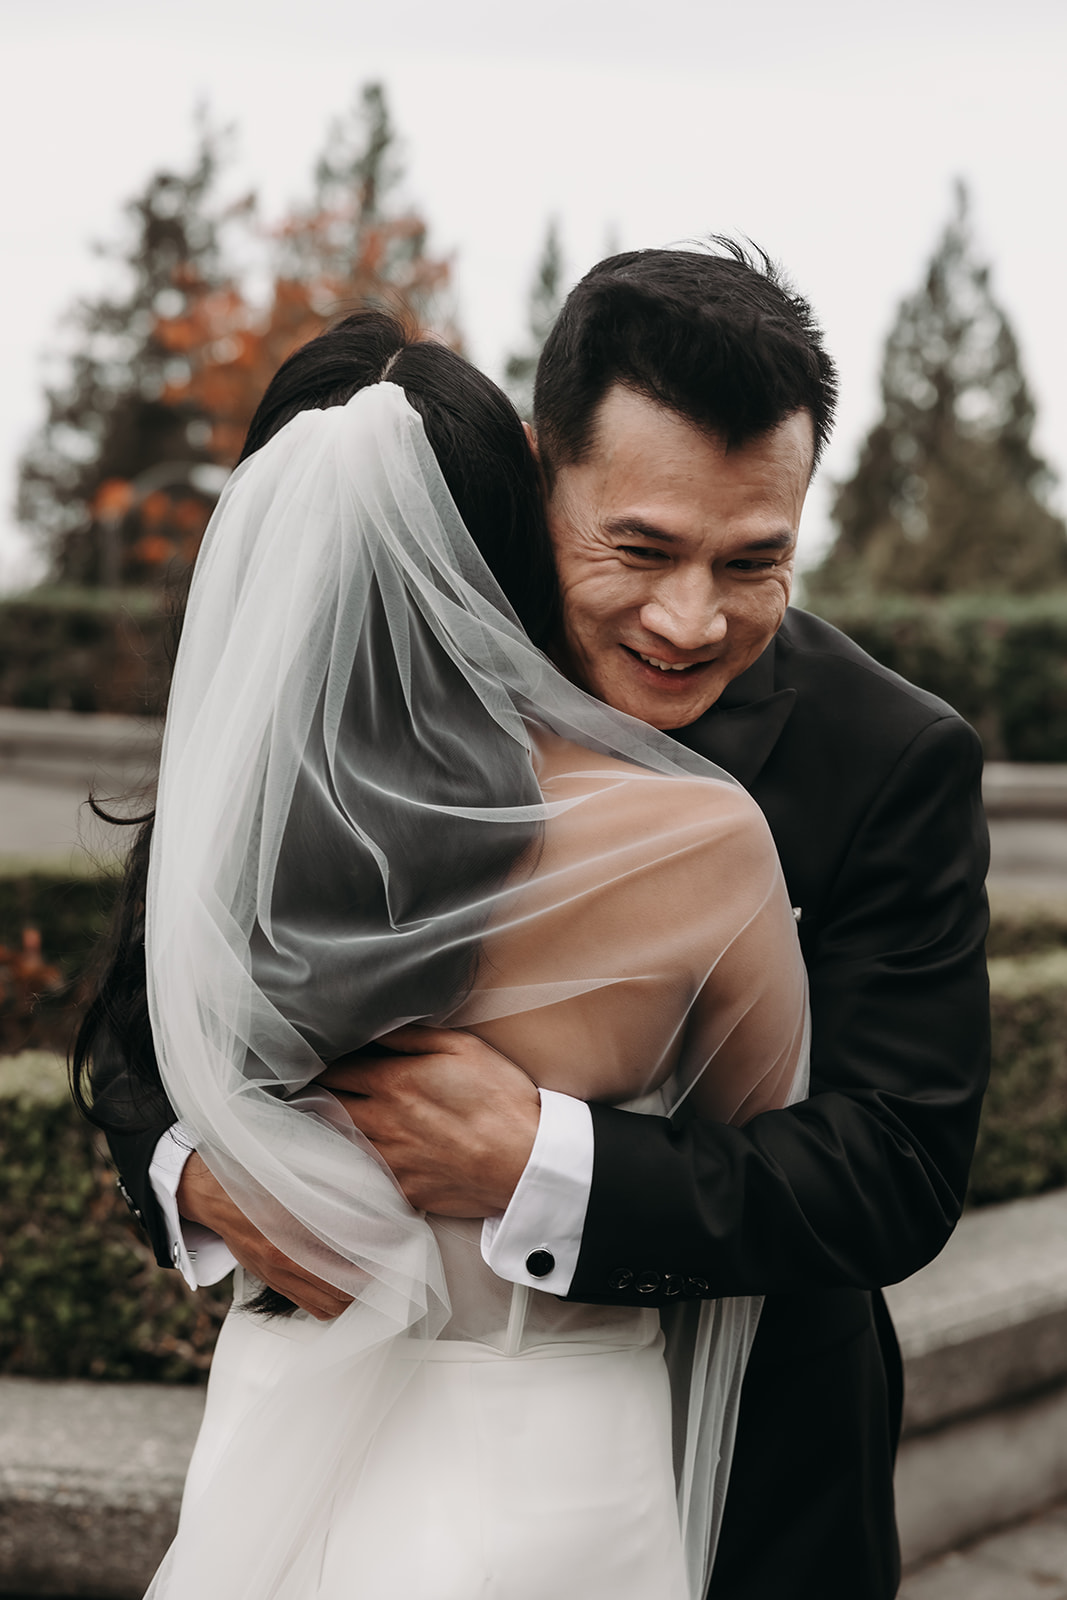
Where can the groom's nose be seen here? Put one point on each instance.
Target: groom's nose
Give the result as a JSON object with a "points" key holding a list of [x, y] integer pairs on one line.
{"points": [[685, 611]]}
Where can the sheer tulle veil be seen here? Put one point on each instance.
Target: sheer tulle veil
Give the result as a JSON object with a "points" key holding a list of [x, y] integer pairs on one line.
{"points": [[348, 802]]}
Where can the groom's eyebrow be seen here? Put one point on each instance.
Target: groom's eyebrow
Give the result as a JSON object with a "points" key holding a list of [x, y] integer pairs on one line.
{"points": [[773, 541], [643, 529]]}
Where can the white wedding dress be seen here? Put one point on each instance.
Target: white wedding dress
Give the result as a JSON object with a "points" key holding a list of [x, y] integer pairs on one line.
{"points": [[533, 1461], [378, 802]]}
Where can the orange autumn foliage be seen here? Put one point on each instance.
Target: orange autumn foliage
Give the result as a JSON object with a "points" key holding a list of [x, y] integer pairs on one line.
{"points": [[25, 977], [233, 348], [113, 498], [152, 550]]}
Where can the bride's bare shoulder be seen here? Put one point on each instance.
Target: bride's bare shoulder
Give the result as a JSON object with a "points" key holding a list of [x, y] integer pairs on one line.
{"points": [[569, 771], [674, 863]]}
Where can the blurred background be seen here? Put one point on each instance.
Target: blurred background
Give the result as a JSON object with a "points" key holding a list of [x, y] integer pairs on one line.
{"points": [[190, 192]]}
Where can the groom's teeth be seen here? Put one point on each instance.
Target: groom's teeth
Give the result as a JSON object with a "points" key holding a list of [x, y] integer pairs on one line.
{"points": [[665, 666]]}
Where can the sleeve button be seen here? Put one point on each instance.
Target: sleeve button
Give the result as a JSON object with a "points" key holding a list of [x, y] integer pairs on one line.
{"points": [[648, 1283], [621, 1278], [672, 1285], [131, 1207], [696, 1286], [539, 1263]]}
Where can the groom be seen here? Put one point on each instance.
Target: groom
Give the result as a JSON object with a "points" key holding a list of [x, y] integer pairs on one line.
{"points": [[682, 402]]}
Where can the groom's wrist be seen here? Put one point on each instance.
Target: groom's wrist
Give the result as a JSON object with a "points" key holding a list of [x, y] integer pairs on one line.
{"points": [[199, 1254], [538, 1238]]}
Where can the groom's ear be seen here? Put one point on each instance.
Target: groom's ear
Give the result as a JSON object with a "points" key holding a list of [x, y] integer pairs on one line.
{"points": [[531, 440]]}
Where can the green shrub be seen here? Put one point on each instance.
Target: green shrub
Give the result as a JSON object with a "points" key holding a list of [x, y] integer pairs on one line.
{"points": [[80, 1293], [70, 913], [1022, 1143], [1026, 925], [1031, 687], [84, 650], [1000, 660]]}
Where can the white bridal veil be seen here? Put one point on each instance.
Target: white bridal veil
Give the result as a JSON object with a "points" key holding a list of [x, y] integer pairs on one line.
{"points": [[379, 803]]}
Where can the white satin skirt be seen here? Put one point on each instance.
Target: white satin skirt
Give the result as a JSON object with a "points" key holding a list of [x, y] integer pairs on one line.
{"points": [[544, 1475]]}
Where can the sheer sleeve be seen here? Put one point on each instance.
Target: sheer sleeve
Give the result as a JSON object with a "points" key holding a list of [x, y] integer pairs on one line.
{"points": [[746, 1039], [650, 948]]}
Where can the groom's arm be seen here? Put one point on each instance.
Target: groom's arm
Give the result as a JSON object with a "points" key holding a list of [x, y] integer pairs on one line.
{"points": [[151, 1153], [190, 1219], [136, 1120]]}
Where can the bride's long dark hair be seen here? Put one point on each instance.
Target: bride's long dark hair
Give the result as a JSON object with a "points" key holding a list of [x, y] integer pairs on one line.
{"points": [[485, 459]]}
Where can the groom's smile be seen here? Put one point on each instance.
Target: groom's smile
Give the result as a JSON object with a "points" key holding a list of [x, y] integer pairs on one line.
{"points": [[675, 555]]}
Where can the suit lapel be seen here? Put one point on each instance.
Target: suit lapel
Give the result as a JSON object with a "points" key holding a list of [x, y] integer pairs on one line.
{"points": [[743, 727]]}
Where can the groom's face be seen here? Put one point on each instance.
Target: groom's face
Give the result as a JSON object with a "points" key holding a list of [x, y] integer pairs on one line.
{"points": [[675, 556]]}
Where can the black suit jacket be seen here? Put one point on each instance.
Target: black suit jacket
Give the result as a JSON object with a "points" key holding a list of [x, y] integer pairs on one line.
{"points": [[872, 791]]}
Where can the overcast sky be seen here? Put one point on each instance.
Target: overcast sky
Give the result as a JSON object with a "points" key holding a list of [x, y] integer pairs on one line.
{"points": [[829, 132]]}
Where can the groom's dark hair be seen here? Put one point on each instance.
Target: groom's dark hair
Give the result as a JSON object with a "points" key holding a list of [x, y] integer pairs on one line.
{"points": [[717, 335]]}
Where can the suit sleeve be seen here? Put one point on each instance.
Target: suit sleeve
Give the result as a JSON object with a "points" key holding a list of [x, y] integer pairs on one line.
{"points": [[134, 1119], [862, 1183]]}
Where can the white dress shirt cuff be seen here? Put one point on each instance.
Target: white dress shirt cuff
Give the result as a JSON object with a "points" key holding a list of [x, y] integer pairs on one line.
{"points": [[199, 1255], [546, 1216]]}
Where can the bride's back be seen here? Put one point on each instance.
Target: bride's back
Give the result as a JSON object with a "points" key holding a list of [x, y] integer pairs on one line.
{"points": [[647, 943], [646, 952]]}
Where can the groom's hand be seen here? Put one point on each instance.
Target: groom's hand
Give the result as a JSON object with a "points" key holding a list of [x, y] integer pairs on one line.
{"points": [[201, 1198], [453, 1119]]}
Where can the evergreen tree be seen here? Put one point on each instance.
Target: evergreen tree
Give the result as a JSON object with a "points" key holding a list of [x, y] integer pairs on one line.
{"points": [[114, 482], [949, 495], [546, 297], [357, 243]]}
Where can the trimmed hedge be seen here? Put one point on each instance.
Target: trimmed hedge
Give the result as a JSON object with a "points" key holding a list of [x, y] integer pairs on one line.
{"points": [[85, 650], [1000, 660], [70, 911], [80, 1293]]}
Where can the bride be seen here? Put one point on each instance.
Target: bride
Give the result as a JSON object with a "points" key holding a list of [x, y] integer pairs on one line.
{"points": [[380, 803]]}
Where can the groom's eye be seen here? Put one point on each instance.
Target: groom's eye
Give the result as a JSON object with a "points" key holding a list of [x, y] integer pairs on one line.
{"points": [[642, 552]]}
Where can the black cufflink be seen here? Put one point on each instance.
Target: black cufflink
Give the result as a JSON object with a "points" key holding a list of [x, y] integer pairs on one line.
{"points": [[539, 1263]]}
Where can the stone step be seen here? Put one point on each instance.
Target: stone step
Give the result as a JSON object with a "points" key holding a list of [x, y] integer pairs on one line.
{"points": [[983, 1332], [90, 1482], [1027, 1562]]}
